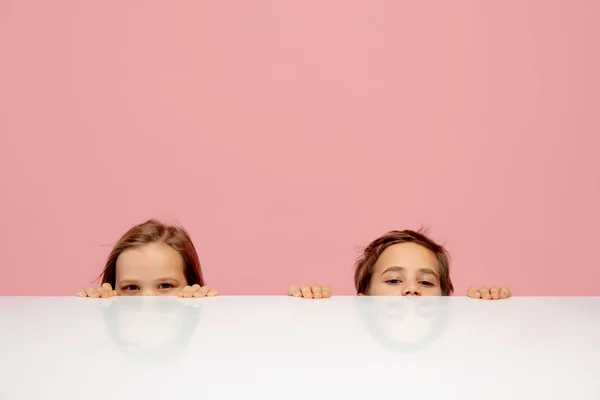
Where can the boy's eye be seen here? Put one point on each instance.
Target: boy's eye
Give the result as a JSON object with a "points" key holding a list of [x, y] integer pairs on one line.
{"points": [[425, 283], [165, 286], [131, 287], [394, 281]]}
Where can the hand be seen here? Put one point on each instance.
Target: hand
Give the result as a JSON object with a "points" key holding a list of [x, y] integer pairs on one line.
{"points": [[197, 291], [493, 293], [104, 291], [310, 292]]}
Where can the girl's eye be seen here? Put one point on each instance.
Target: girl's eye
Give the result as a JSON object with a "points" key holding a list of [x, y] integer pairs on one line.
{"points": [[131, 287], [165, 286], [425, 283], [394, 281]]}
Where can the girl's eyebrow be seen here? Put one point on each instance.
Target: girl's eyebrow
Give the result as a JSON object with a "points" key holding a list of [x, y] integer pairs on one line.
{"points": [[127, 281], [166, 279]]}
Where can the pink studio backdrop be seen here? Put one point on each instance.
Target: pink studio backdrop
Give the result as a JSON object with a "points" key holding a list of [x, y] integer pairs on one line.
{"points": [[286, 134]]}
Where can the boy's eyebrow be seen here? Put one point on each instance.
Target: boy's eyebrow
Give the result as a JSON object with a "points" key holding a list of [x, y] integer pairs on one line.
{"points": [[428, 271], [394, 268]]}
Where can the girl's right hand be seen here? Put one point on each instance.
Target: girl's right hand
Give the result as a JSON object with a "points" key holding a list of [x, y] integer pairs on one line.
{"points": [[310, 292], [104, 291]]}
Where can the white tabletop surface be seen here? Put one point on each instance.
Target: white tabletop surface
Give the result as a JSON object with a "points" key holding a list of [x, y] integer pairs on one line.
{"points": [[273, 347]]}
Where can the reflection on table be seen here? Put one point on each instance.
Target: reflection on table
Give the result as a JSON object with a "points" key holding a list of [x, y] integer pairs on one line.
{"points": [[274, 347]]}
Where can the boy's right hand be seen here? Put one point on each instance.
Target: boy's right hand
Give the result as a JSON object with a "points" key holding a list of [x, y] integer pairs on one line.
{"points": [[104, 291], [310, 291]]}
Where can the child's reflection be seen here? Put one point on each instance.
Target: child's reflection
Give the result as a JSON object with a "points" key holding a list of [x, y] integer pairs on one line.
{"points": [[152, 329], [406, 324]]}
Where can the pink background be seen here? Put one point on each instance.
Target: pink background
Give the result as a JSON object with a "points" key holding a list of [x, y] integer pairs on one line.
{"points": [[286, 134]]}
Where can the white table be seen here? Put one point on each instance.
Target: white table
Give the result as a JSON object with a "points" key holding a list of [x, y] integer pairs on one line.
{"points": [[283, 348]]}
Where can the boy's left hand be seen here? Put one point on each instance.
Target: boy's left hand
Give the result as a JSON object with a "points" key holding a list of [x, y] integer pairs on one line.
{"points": [[492, 293], [310, 291]]}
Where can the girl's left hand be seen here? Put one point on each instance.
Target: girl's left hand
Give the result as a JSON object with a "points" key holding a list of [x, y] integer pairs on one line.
{"points": [[485, 293], [197, 291]]}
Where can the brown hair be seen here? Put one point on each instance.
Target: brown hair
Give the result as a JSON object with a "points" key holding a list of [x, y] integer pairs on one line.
{"points": [[153, 231], [364, 266]]}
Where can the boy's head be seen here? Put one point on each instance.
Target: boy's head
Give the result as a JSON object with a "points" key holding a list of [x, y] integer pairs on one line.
{"points": [[403, 263], [153, 259]]}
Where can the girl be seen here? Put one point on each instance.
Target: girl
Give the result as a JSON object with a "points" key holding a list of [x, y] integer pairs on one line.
{"points": [[402, 263], [152, 259]]}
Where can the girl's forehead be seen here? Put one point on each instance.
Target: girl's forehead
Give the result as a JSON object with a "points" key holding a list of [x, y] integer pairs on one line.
{"points": [[149, 261]]}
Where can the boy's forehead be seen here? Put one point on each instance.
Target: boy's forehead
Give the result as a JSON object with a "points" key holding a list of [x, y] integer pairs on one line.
{"points": [[407, 255]]}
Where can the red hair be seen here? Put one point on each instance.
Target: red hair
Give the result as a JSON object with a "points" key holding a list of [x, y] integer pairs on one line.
{"points": [[365, 264], [153, 231]]}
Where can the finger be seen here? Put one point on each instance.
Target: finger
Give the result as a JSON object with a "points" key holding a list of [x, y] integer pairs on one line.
{"points": [[317, 293], [294, 291], [195, 287], [306, 292], [81, 293], [91, 292], [485, 293], [107, 290], [504, 293], [473, 292], [189, 291], [327, 292], [212, 292], [185, 292], [495, 292], [202, 292]]}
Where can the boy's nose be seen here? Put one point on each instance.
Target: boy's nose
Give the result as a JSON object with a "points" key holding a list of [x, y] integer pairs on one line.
{"points": [[411, 290]]}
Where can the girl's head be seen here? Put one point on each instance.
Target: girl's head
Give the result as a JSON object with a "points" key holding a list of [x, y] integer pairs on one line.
{"points": [[153, 259], [403, 263]]}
